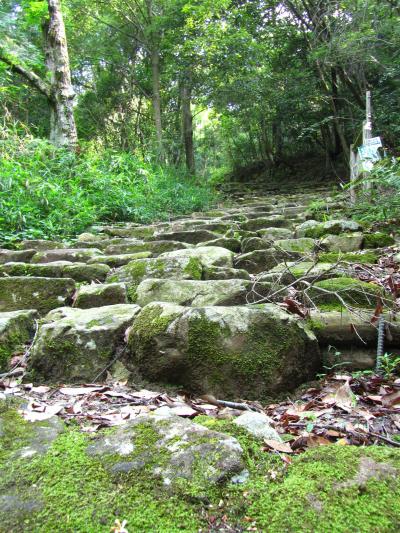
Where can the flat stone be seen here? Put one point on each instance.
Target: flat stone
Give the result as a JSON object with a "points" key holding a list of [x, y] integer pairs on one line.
{"points": [[224, 242], [99, 295], [270, 234], [262, 260], [187, 457], [42, 294], [256, 224], [40, 244], [214, 272], [258, 424], [76, 255], [76, 345]]}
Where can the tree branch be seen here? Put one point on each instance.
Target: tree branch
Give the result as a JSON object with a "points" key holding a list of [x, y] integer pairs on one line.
{"points": [[29, 75]]}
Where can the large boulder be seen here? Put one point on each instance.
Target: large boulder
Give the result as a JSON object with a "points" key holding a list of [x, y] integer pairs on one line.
{"points": [[77, 345], [199, 293], [16, 329], [241, 351], [186, 457], [42, 294]]}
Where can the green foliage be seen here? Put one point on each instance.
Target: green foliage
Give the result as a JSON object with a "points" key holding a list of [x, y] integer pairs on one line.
{"points": [[48, 192], [381, 201], [388, 364]]}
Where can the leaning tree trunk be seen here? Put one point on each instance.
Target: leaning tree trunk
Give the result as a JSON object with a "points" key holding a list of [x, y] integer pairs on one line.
{"points": [[62, 122], [187, 124]]}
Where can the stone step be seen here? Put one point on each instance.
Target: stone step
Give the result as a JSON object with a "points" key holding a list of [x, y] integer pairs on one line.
{"points": [[80, 272]]}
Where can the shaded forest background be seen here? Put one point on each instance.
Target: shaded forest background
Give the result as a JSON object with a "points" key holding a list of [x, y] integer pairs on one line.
{"points": [[173, 95]]}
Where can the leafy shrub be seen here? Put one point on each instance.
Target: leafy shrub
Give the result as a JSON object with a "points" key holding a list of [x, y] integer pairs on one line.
{"points": [[381, 201], [49, 192]]}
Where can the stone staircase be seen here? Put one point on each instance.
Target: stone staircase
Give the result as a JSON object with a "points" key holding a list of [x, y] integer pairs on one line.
{"points": [[193, 302]]}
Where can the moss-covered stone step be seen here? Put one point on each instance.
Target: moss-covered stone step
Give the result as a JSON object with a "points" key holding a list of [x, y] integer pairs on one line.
{"points": [[263, 260], [335, 293], [309, 271], [180, 264], [342, 328], [116, 261], [347, 242], [80, 272], [240, 351], [155, 247], [195, 236], [231, 244], [277, 221], [40, 293], [201, 293], [75, 255], [39, 244], [316, 230], [362, 256], [16, 329], [6, 256], [100, 294], [76, 345]]}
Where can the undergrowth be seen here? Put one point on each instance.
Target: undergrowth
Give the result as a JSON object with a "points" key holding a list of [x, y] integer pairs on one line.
{"points": [[49, 192]]}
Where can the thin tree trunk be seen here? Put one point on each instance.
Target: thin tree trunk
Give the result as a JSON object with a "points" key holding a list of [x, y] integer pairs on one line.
{"points": [[62, 122], [156, 98], [187, 124]]}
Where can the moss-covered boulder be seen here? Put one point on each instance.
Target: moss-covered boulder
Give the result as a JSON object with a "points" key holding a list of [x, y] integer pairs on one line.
{"points": [[316, 230], [155, 247], [224, 242], [16, 329], [335, 293], [186, 457], [75, 255], [378, 240], [116, 261], [270, 234], [347, 242], [100, 294], [130, 231], [250, 244], [302, 245], [307, 270], [80, 272], [215, 272], [42, 294], [199, 293], [362, 256], [195, 236], [77, 345], [6, 256], [240, 351], [263, 260]]}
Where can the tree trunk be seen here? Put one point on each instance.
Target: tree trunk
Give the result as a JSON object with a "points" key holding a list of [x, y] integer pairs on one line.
{"points": [[62, 122], [156, 97], [187, 124]]}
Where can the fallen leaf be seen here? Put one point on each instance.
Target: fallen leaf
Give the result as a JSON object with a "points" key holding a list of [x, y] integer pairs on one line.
{"points": [[283, 447], [389, 400]]}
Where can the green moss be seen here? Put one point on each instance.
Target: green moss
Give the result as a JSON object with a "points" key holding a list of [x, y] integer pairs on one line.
{"points": [[78, 493], [377, 240], [194, 268], [333, 257], [352, 291]]}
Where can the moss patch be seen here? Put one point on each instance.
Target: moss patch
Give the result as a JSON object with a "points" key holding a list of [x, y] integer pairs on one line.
{"points": [[377, 240], [352, 291], [332, 257]]}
